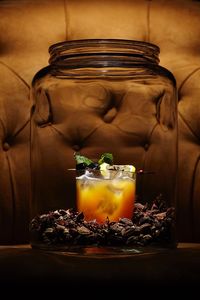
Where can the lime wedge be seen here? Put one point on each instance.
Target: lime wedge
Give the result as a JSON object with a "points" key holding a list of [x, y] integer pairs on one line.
{"points": [[104, 169], [129, 168], [126, 168]]}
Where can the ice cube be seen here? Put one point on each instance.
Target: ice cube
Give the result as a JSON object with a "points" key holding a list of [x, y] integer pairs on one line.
{"points": [[114, 188]]}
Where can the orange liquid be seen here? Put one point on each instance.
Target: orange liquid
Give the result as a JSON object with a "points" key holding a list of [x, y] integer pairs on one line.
{"points": [[103, 198]]}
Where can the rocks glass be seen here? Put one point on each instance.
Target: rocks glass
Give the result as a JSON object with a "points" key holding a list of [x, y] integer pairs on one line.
{"points": [[106, 196]]}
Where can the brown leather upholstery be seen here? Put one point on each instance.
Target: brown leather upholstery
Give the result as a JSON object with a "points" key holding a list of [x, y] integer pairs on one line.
{"points": [[28, 28]]}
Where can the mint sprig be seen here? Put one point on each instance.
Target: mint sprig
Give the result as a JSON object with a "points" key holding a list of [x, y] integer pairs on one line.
{"points": [[106, 158], [83, 162], [81, 159]]}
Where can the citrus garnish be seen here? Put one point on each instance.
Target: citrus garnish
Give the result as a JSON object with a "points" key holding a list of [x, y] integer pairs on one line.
{"points": [[104, 169], [129, 168]]}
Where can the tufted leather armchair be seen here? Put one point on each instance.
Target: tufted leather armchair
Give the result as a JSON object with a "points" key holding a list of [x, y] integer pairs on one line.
{"points": [[28, 28]]}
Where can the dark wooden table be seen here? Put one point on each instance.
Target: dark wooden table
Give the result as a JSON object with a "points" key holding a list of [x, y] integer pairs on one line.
{"points": [[179, 268]]}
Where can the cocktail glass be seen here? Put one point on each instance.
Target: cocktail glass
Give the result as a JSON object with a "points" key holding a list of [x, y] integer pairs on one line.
{"points": [[107, 195]]}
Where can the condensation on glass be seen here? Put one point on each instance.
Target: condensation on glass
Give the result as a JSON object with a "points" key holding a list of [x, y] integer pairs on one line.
{"points": [[100, 96]]}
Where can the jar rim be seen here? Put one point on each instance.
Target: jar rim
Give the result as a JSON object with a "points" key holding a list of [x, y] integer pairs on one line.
{"points": [[99, 58], [100, 42], [103, 51]]}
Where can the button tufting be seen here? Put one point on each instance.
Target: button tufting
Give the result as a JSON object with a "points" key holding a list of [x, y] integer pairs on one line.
{"points": [[110, 115], [6, 146], [146, 146], [76, 147]]}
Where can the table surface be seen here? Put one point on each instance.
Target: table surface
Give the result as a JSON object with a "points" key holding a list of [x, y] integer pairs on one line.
{"points": [[22, 265]]}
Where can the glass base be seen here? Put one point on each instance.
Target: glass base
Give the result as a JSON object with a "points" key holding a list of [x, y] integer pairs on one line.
{"points": [[98, 251]]}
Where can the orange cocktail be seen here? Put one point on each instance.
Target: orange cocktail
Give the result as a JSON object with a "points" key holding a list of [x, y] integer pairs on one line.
{"points": [[101, 197]]}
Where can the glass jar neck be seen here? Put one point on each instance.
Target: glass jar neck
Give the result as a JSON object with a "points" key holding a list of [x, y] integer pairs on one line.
{"points": [[102, 53], [104, 58]]}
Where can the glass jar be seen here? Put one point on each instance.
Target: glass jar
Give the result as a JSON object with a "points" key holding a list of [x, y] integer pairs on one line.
{"points": [[107, 95]]}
